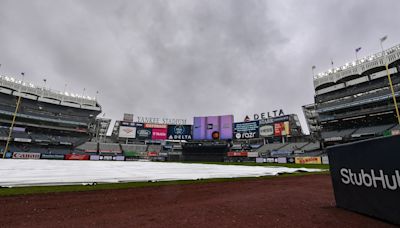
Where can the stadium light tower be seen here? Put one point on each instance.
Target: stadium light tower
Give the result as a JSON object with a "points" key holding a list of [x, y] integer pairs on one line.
{"points": [[390, 80]]}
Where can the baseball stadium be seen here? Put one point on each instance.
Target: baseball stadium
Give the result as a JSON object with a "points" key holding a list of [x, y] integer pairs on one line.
{"points": [[60, 166]]}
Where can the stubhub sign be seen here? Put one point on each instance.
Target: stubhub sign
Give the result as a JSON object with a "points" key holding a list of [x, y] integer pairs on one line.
{"points": [[366, 177]]}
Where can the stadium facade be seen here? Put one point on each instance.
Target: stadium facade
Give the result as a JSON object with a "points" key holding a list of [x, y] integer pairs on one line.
{"points": [[355, 101], [46, 121]]}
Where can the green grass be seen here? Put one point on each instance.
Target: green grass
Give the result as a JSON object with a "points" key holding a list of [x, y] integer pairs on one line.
{"points": [[78, 188]]}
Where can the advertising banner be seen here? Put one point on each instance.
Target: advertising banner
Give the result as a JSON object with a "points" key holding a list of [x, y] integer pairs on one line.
{"points": [[153, 125], [76, 157], [266, 131], [252, 154], [237, 154], [213, 127], [24, 155], [291, 160], [119, 158], [159, 134], [270, 160], [106, 158], [325, 160], [143, 133], [94, 157], [282, 160], [179, 132], [281, 128], [127, 132], [366, 177], [246, 130], [308, 160], [261, 160], [152, 154], [52, 156]]}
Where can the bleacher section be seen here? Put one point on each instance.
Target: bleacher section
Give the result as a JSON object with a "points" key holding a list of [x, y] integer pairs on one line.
{"points": [[88, 147], [335, 134], [134, 150], [109, 148], [312, 146], [373, 130], [270, 147], [294, 146], [154, 148]]}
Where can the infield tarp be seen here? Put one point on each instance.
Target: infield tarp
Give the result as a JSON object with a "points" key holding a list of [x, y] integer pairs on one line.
{"points": [[61, 172]]}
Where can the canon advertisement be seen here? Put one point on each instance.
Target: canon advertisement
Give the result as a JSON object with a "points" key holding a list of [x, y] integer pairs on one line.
{"points": [[366, 177], [179, 132], [246, 130], [281, 128], [213, 127], [127, 132]]}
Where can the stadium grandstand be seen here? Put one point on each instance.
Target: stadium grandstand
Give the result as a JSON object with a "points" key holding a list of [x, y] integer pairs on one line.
{"points": [[42, 120], [355, 101]]}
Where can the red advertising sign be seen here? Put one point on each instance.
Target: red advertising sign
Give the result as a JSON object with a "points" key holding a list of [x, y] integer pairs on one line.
{"points": [[23, 155], [152, 125], [77, 157], [237, 154], [159, 134], [152, 154]]}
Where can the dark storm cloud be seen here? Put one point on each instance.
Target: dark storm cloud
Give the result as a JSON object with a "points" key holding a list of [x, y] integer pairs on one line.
{"points": [[187, 58]]}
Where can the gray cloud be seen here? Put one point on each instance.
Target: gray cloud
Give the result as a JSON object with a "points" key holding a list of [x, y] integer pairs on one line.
{"points": [[187, 58]]}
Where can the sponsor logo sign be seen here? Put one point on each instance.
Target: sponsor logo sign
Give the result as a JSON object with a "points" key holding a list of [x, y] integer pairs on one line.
{"points": [[23, 155], [179, 132], [246, 130], [237, 154], [366, 177], [53, 156], [127, 132], [270, 160], [152, 154], [119, 158], [271, 114], [281, 128], [77, 157], [159, 134], [266, 130], [308, 160], [282, 160], [252, 154], [143, 133], [152, 125], [94, 157]]}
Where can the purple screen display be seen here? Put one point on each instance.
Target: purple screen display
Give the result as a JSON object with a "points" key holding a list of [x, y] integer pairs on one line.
{"points": [[203, 127]]}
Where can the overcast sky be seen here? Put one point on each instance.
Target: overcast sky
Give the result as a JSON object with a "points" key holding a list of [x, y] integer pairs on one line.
{"points": [[186, 58]]}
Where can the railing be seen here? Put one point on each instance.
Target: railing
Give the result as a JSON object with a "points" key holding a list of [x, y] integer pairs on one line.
{"points": [[357, 67], [26, 87]]}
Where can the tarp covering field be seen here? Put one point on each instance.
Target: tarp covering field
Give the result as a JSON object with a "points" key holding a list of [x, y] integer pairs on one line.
{"points": [[15, 173]]}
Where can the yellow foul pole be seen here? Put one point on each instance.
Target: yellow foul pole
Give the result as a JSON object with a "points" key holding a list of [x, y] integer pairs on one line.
{"points": [[11, 127], [393, 95]]}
